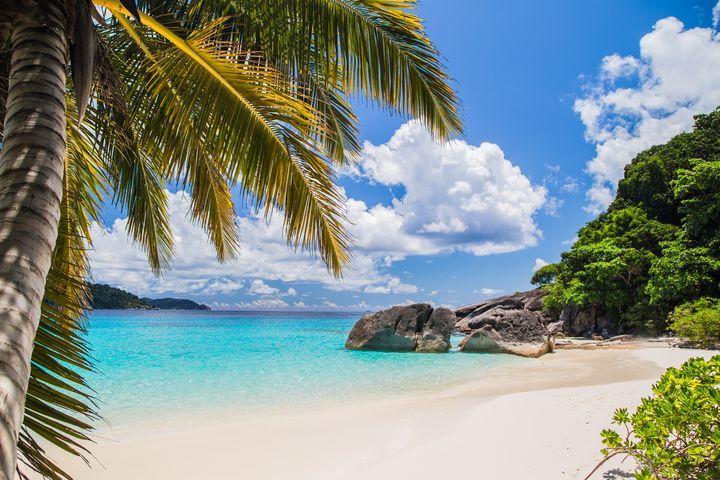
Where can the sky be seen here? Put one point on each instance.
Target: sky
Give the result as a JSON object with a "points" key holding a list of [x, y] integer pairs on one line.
{"points": [[557, 97]]}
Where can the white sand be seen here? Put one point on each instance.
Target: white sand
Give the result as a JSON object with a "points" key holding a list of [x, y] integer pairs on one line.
{"points": [[538, 421]]}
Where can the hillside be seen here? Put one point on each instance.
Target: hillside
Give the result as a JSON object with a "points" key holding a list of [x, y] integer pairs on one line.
{"points": [[174, 304], [105, 297], [657, 246]]}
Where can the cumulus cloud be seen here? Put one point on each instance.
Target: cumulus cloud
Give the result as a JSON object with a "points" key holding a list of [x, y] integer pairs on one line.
{"points": [[394, 285], [570, 185], [539, 263], [222, 285], [263, 304], [716, 15], [489, 291], [258, 287], [457, 197], [264, 256], [673, 78]]}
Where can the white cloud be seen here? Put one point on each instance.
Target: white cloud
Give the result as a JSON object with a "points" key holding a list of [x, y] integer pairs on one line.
{"points": [[571, 185], [394, 285], [570, 241], [716, 15], [264, 256], [674, 78], [553, 168], [539, 263], [223, 286], [614, 66], [458, 197], [258, 287], [552, 206], [263, 304], [489, 291]]}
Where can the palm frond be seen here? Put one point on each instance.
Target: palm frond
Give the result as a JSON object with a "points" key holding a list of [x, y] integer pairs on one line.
{"points": [[165, 130], [375, 48], [210, 99]]}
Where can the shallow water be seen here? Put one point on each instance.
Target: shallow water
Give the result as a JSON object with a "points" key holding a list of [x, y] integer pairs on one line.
{"points": [[155, 364]]}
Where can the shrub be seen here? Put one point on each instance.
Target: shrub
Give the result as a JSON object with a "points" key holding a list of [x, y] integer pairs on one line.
{"points": [[698, 322], [675, 433]]}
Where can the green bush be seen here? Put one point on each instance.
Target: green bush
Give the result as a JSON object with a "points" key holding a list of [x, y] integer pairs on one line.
{"points": [[698, 322], [675, 433]]}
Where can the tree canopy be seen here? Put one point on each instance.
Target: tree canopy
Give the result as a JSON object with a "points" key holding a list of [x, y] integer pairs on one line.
{"points": [[658, 244]]}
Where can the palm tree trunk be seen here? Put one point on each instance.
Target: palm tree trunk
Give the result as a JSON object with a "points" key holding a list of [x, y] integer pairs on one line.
{"points": [[31, 176]]}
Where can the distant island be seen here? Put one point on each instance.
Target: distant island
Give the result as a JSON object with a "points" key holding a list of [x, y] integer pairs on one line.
{"points": [[105, 297]]}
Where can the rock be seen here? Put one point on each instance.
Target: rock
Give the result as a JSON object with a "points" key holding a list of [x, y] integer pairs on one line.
{"points": [[503, 330], [586, 321], [556, 328], [405, 328], [435, 334], [531, 300], [598, 338], [604, 323], [580, 321], [619, 338]]}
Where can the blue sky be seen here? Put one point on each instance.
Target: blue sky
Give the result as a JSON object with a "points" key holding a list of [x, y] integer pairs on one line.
{"points": [[557, 97]]}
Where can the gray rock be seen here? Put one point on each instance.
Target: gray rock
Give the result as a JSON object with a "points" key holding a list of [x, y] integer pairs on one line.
{"points": [[579, 321], [620, 339], [531, 300], [556, 327], [435, 335], [503, 330], [405, 328]]}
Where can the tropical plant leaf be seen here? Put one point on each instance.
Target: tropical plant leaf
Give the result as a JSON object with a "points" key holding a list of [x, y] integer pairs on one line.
{"points": [[243, 97], [375, 48]]}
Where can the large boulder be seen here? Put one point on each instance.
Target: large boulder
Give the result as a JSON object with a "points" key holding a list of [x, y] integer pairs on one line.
{"points": [[505, 330], [530, 302], [586, 321], [435, 334], [405, 328]]}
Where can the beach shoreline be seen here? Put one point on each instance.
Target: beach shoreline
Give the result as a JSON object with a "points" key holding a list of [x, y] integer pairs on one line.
{"points": [[538, 419]]}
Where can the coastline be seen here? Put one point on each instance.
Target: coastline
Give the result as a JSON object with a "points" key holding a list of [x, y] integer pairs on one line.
{"points": [[541, 419]]}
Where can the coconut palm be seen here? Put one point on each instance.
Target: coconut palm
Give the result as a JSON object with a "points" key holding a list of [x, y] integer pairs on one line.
{"points": [[204, 95]]}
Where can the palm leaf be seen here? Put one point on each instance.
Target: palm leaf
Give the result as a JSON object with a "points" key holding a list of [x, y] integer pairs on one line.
{"points": [[375, 48], [257, 124]]}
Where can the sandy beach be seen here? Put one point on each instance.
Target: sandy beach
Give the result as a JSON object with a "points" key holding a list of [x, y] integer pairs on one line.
{"points": [[537, 420]]}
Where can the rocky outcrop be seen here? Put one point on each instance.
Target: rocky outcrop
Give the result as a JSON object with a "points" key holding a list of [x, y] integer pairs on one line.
{"points": [[435, 334], [530, 301], [406, 328], [507, 330], [586, 321]]}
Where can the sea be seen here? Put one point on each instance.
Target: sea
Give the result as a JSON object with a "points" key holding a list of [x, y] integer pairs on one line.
{"points": [[159, 364]]}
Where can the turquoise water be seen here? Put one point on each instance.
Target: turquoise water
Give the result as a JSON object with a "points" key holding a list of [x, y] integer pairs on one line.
{"points": [[159, 363]]}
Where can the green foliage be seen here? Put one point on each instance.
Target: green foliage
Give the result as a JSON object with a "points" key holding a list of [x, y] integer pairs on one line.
{"points": [[675, 433], [111, 298], [545, 274], [658, 244], [698, 190], [682, 272], [699, 322]]}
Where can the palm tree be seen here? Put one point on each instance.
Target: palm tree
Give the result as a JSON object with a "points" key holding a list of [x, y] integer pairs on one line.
{"points": [[207, 95]]}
